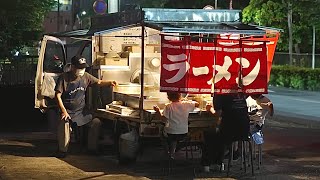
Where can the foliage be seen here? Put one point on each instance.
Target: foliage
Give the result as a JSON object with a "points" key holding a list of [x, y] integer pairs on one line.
{"points": [[295, 77], [21, 23], [274, 13]]}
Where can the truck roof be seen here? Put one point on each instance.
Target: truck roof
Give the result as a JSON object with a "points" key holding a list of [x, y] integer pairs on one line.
{"points": [[215, 21]]}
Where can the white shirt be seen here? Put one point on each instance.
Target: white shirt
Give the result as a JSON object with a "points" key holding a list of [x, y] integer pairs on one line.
{"points": [[177, 114], [262, 110]]}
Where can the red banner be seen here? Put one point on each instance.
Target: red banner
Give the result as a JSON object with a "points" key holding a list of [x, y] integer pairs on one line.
{"points": [[230, 77], [271, 48], [271, 40], [189, 67], [201, 68], [174, 65]]}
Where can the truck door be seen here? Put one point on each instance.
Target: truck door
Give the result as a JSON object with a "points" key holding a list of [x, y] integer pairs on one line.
{"points": [[51, 63]]}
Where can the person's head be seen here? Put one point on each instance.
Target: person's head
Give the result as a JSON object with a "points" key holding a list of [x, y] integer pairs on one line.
{"points": [[78, 65], [256, 96], [174, 96]]}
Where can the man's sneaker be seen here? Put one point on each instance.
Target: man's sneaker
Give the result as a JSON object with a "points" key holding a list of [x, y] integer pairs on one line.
{"points": [[60, 154], [217, 167]]}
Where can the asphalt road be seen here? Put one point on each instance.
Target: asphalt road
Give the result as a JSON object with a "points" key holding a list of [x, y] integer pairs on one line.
{"points": [[302, 105]]}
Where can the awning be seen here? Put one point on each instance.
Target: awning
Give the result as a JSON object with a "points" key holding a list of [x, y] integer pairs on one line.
{"points": [[74, 33], [206, 28]]}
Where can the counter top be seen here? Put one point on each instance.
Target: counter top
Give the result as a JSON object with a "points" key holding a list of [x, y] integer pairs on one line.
{"points": [[151, 111]]}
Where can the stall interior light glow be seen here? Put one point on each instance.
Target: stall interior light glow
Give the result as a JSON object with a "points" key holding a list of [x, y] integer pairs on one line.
{"points": [[108, 67]]}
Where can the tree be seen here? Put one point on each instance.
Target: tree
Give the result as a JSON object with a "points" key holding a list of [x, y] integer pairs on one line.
{"points": [[296, 18], [21, 23]]}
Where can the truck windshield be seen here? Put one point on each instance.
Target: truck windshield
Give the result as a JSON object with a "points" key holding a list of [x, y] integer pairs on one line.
{"points": [[53, 58]]}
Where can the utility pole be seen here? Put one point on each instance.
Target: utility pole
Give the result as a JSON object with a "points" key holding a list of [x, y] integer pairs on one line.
{"points": [[58, 18], [313, 45]]}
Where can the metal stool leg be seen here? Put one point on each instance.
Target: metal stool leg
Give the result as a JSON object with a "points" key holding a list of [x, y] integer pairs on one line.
{"points": [[251, 156], [259, 155], [230, 157]]}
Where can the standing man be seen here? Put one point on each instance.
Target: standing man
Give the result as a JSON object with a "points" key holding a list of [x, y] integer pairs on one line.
{"points": [[233, 126], [70, 95]]}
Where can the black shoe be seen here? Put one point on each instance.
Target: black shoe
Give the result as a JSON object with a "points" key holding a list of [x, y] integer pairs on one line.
{"points": [[60, 154]]}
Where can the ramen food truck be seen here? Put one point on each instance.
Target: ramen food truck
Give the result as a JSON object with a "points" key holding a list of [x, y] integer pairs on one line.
{"points": [[150, 51]]}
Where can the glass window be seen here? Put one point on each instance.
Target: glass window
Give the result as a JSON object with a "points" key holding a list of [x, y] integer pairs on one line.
{"points": [[53, 58]]}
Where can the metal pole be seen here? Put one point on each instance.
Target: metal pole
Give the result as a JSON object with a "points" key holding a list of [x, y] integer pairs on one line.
{"points": [[313, 45], [58, 18], [215, 4], [142, 67]]}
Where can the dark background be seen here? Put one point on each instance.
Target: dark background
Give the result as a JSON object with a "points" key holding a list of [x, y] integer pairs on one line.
{"points": [[18, 112]]}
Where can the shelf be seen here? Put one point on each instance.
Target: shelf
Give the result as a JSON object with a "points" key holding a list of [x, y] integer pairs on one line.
{"points": [[112, 68]]}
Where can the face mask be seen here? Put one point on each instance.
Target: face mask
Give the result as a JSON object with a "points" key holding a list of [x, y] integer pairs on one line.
{"points": [[80, 72]]}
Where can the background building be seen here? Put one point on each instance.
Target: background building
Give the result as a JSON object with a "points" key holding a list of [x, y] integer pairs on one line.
{"points": [[75, 14]]}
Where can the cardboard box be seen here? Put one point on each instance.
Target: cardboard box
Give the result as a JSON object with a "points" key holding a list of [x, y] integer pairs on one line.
{"points": [[147, 49], [116, 61]]}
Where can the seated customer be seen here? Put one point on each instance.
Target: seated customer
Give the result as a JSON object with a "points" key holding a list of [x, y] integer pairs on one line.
{"points": [[175, 115], [259, 106]]}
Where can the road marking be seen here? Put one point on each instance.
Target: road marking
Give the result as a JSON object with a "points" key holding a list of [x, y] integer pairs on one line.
{"points": [[303, 100]]}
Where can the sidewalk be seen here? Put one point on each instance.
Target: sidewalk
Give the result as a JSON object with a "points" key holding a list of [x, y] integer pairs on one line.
{"points": [[291, 151]]}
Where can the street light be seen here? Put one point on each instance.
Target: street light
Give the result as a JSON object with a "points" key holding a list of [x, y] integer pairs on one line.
{"points": [[83, 13]]}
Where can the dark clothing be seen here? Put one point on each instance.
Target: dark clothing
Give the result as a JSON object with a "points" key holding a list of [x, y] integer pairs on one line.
{"points": [[171, 141], [235, 119], [234, 126], [212, 151], [73, 91], [73, 94], [175, 138]]}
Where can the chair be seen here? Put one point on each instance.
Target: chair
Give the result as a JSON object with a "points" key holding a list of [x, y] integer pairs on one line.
{"points": [[186, 144], [257, 143], [181, 143], [257, 149], [243, 154]]}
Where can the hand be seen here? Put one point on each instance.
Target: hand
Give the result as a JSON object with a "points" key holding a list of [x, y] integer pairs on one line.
{"points": [[208, 107], [114, 83], [65, 116], [156, 108]]}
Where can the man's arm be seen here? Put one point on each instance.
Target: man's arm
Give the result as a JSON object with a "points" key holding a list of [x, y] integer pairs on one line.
{"points": [[162, 117], [271, 110], [269, 104], [210, 109], [106, 83], [99, 82], [64, 114]]}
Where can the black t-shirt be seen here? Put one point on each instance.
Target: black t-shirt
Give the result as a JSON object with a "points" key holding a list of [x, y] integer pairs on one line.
{"points": [[231, 105], [235, 119]]}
